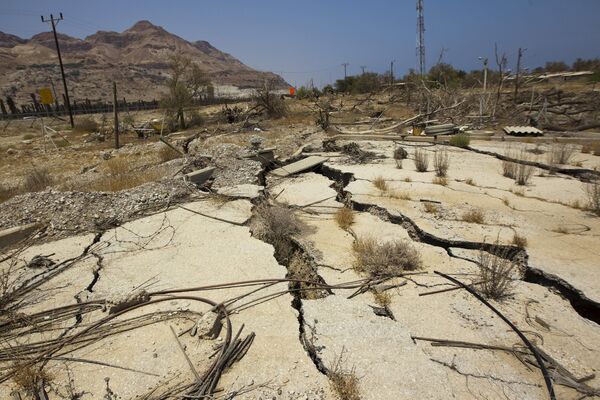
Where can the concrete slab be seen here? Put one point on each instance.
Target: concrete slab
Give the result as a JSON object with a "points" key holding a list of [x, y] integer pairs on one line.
{"points": [[11, 236], [246, 191], [299, 166], [200, 176]]}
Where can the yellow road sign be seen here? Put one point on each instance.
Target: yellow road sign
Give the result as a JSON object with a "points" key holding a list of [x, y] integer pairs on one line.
{"points": [[46, 96]]}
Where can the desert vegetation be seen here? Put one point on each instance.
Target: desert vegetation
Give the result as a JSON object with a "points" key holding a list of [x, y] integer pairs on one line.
{"points": [[385, 259], [421, 160], [344, 217], [497, 273]]}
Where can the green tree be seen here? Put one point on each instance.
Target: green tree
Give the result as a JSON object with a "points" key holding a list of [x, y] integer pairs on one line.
{"points": [[187, 83], [556, 66]]}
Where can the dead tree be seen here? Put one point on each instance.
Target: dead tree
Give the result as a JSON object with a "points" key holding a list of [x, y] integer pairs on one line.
{"points": [[501, 63]]}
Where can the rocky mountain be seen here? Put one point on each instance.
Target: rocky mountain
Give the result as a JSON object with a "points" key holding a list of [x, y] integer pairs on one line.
{"points": [[137, 59]]}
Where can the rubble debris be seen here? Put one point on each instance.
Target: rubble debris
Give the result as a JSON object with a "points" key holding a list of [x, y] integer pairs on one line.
{"points": [[68, 213], [299, 166], [522, 131]]}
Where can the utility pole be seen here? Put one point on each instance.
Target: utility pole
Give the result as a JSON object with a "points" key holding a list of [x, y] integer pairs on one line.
{"points": [[521, 51], [53, 21], [363, 67], [392, 72], [420, 38], [116, 115], [345, 65]]}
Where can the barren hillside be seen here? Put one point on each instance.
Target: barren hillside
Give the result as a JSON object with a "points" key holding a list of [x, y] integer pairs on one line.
{"points": [[137, 58]]}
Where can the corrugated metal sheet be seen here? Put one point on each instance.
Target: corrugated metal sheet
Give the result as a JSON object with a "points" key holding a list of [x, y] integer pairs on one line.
{"points": [[522, 130]]}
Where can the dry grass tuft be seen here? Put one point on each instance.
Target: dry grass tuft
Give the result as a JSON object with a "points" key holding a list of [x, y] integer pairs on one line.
{"points": [[344, 382], [117, 165], [29, 378], [509, 169], [473, 217], [440, 181], [470, 182], [421, 160], [431, 208], [593, 197], [400, 195], [519, 241], [441, 162], [344, 217], [497, 272], [380, 183], [384, 299], [460, 140], [86, 125], [37, 179], [387, 259], [407, 179], [116, 183], [276, 224], [165, 153]]}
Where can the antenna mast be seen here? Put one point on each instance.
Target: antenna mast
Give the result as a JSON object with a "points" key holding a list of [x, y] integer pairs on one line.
{"points": [[420, 38]]}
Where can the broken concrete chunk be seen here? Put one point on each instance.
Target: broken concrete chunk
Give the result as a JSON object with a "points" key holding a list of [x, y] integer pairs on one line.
{"points": [[299, 166], [208, 326], [200, 176], [119, 303]]}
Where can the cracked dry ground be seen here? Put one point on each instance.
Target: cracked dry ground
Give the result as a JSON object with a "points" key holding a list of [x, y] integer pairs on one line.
{"points": [[300, 338]]}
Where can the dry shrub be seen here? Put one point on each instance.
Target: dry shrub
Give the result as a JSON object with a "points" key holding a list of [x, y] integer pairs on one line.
{"points": [[344, 217], [380, 183], [524, 173], [384, 299], [400, 153], [344, 382], [276, 224], [441, 162], [473, 217], [430, 208], [593, 197], [165, 153], [519, 241], [387, 259], [497, 272], [86, 125], [421, 160], [270, 103], [440, 181], [30, 378], [509, 169], [470, 182], [560, 153], [37, 179]]}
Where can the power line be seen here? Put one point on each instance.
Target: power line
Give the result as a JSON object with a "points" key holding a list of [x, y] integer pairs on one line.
{"points": [[53, 21]]}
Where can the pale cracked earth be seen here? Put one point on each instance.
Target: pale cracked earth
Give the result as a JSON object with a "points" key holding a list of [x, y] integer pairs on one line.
{"points": [[295, 343]]}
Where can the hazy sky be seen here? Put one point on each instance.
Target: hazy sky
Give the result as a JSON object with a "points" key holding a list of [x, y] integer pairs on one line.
{"points": [[311, 38]]}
